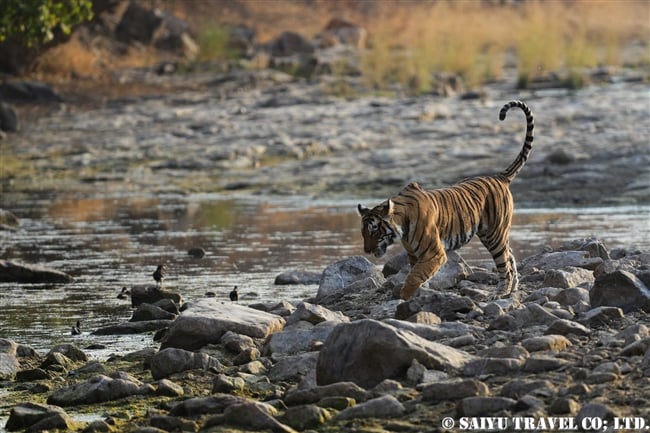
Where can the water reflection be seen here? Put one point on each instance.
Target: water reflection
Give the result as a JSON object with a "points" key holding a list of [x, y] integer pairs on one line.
{"points": [[107, 243]]}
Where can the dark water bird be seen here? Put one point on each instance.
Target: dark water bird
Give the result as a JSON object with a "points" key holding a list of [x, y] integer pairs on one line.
{"points": [[76, 330], [124, 294], [234, 295], [158, 275]]}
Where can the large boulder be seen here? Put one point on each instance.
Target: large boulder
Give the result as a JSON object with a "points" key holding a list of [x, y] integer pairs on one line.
{"points": [[367, 351], [36, 417], [204, 322], [9, 365], [98, 389], [620, 289], [338, 276]]}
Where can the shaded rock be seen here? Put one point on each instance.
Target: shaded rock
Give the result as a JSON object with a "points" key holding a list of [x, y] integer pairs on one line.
{"points": [[539, 363], [547, 342], [97, 390], [236, 343], [227, 384], [318, 393], [297, 277], [173, 360], [196, 252], [367, 352], [205, 321], [595, 410], [8, 123], [315, 314], [8, 221], [35, 417], [513, 352], [293, 368], [454, 390], [636, 348], [152, 295], [482, 366], [29, 91], [9, 364], [57, 359], [15, 272], [125, 328], [31, 374], [146, 312], [290, 43], [385, 406], [172, 424], [436, 331], [168, 388], [71, 351], [620, 289], [517, 388], [444, 304], [571, 296], [528, 315], [483, 406], [258, 416], [601, 316]]}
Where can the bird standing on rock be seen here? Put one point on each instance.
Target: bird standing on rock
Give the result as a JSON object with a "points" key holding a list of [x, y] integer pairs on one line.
{"points": [[234, 295], [124, 294], [158, 275]]}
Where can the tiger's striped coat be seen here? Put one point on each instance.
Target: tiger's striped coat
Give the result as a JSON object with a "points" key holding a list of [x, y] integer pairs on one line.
{"points": [[430, 223]]}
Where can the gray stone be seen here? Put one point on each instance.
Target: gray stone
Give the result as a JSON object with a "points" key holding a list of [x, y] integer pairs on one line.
{"points": [[318, 393], [530, 314], [292, 340], [566, 327], [152, 295], [16, 272], [454, 390], [236, 343], [601, 316], [517, 388], [385, 406], [375, 351], [339, 275], [173, 360], [306, 416], [595, 410], [539, 363], [514, 352], [35, 417], [255, 415], [198, 406], [126, 328], [436, 331], [620, 289], [297, 277], [482, 366], [227, 384], [293, 368], [547, 342], [205, 321], [97, 389], [568, 277], [484, 406], [168, 388], [9, 364], [146, 312], [558, 260], [571, 296], [315, 314]]}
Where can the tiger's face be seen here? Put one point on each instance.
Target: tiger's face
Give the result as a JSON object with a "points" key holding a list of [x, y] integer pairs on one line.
{"points": [[377, 228]]}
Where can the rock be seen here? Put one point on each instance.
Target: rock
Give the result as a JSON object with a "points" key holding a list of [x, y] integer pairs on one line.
{"points": [[484, 406], [297, 277], [595, 410], [306, 416], [315, 314], [568, 277], [558, 260], [436, 331], [292, 341], [294, 367], [98, 389], [385, 406], [318, 393], [454, 390], [258, 416], [517, 388], [594, 247], [59, 360], [290, 43], [9, 364], [227, 384], [530, 314], [601, 316], [571, 296], [620, 289], [125, 328], [8, 120], [375, 351], [446, 305], [169, 389], [205, 321], [29, 91], [336, 277], [152, 295], [563, 406], [198, 406], [539, 363], [196, 252], [35, 417], [483, 366], [566, 327], [147, 312], [512, 352], [172, 424], [173, 360], [636, 348], [556, 343], [15, 272], [236, 343]]}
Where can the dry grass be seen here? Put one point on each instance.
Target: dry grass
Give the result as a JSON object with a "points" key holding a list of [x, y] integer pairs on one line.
{"points": [[412, 40]]}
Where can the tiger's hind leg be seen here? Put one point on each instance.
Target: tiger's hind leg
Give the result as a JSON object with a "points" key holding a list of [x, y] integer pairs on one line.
{"points": [[505, 262]]}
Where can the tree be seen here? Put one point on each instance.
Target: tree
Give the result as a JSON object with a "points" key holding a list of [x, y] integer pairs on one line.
{"points": [[31, 23]]}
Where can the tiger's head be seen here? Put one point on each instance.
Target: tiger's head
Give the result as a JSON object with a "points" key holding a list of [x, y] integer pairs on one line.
{"points": [[377, 228]]}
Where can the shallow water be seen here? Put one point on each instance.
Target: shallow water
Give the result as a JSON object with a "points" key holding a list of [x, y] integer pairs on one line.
{"points": [[114, 241]]}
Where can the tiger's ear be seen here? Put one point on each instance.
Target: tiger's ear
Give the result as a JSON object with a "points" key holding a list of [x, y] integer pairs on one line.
{"points": [[387, 208], [362, 210]]}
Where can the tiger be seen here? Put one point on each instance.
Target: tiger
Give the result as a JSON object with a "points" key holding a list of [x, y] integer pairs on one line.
{"points": [[430, 223]]}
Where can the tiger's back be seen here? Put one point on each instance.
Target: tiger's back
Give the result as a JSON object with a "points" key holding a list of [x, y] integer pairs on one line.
{"points": [[431, 222]]}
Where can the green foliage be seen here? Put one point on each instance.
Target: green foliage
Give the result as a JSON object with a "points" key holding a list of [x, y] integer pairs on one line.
{"points": [[33, 22]]}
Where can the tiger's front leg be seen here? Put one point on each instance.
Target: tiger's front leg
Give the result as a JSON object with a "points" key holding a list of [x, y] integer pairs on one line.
{"points": [[421, 271]]}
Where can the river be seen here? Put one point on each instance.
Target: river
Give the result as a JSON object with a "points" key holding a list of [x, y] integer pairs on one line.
{"points": [[110, 241]]}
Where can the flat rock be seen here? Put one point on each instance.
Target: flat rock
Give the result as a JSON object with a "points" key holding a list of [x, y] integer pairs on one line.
{"points": [[566, 327], [367, 352], [173, 360], [36, 417], [125, 328], [97, 389], [558, 260], [546, 342], [568, 277], [292, 341], [385, 406], [205, 321], [318, 393], [315, 314], [152, 295], [454, 390], [297, 277], [483, 406]]}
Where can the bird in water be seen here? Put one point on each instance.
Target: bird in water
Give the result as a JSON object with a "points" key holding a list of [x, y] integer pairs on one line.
{"points": [[234, 295], [76, 330], [124, 294], [158, 275]]}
